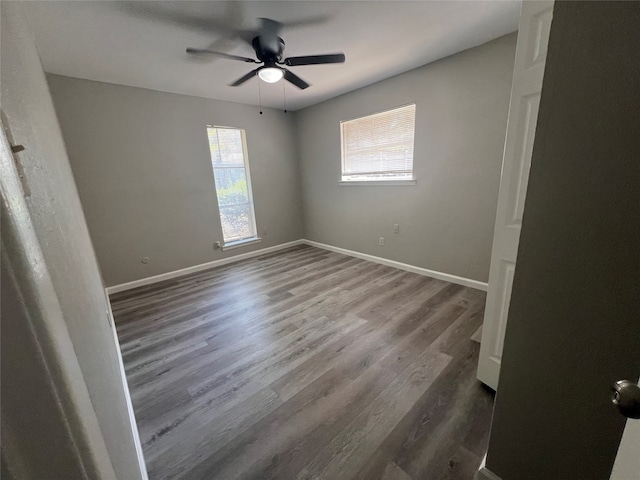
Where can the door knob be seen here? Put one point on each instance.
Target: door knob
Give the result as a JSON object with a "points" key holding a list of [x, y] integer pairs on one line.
{"points": [[626, 396]]}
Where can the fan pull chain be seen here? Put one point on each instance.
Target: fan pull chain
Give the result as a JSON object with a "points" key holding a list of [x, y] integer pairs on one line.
{"points": [[284, 95], [260, 96]]}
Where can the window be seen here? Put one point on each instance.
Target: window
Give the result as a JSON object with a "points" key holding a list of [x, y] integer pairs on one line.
{"points": [[379, 147], [233, 184]]}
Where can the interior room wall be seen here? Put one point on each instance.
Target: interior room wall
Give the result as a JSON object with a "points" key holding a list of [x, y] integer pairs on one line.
{"points": [[573, 326], [143, 170], [446, 220], [92, 394], [35, 436]]}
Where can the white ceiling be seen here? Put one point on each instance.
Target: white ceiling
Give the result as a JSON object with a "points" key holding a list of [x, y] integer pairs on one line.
{"points": [[143, 44]]}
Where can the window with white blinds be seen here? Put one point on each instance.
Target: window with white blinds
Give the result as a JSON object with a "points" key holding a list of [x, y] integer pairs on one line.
{"points": [[379, 147]]}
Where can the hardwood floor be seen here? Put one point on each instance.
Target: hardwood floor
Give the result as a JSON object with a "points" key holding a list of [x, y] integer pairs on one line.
{"points": [[305, 364]]}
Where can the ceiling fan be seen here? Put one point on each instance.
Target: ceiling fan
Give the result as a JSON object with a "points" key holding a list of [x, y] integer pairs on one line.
{"points": [[269, 48]]}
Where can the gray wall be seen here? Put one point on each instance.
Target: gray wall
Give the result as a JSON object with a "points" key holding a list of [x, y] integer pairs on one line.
{"points": [[54, 214], [142, 166], [447, 219], [573, 326], [35, 436]]}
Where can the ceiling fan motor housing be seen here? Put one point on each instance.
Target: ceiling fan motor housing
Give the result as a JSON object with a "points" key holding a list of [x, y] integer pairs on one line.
{"points": [[268, 49]]}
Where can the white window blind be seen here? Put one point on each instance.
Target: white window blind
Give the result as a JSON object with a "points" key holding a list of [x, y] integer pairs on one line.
{"points": [[379, 147], [233, 183]]}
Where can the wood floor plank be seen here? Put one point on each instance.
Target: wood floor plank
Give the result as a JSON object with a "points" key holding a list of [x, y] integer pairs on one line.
{"points": [[406, 351], [436, 417], [434, 422], [393, 472], [365, 345], [281, 444], [243, 378], [175, 452], [242, 331], [305, 363], [352, 447], [218, 390]]}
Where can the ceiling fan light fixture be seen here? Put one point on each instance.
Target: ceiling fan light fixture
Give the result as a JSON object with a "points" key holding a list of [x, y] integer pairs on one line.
{"points": [[270, 74]]}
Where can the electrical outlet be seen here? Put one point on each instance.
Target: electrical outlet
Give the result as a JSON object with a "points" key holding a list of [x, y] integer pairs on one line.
{"points": [[396, 228], [381, 241]]}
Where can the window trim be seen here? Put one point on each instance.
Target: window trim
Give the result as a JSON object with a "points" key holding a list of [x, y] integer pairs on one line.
{"points": [[382, 181], [240, 242]]}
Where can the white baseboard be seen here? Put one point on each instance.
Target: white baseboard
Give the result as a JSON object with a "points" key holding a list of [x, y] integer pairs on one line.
{"points": [[198, 268], [484, 473], [467, 282], [127, 397]]}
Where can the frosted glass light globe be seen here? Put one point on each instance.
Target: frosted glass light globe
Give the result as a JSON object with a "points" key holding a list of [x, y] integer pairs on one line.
{"points": [[270, 74]]}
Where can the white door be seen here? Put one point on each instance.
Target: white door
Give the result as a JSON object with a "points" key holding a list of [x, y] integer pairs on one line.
{"points": [[531, 53]]}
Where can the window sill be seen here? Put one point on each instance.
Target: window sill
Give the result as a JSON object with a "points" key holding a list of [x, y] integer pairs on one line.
{"points": [[376, 183], [241, 243]]}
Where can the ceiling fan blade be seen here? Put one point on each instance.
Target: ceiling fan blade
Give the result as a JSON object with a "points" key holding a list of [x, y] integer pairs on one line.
{"points": [[204, 51], [315, 59], [248, 76], [174, 14], [296, 80], [269, 27], [221, 43], [305, 22], [234, 18]]}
